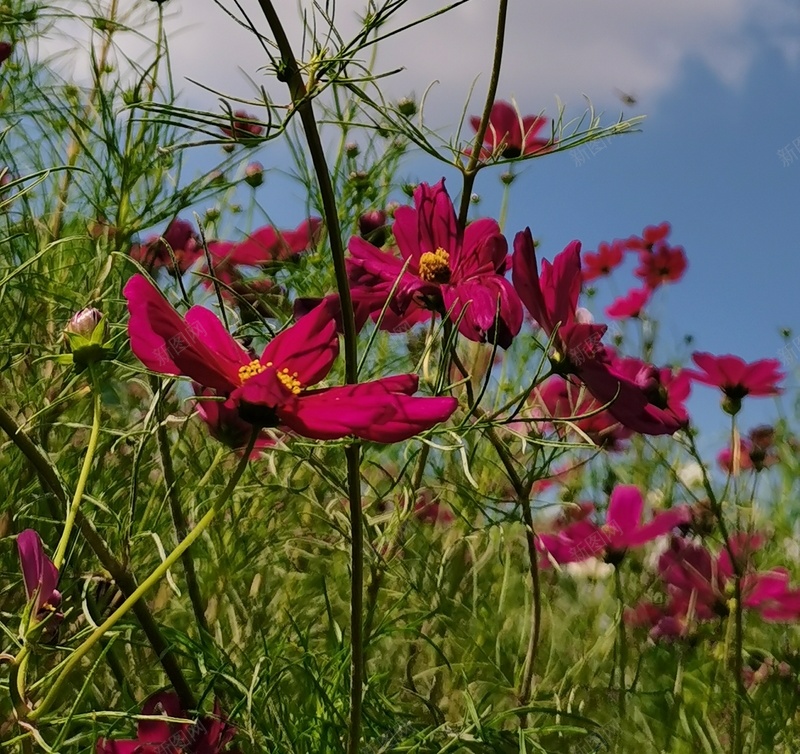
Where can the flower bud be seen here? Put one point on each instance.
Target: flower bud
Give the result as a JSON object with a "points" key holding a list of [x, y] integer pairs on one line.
{"points": [[254, 174], [85, 336], [372, 226], [407, 106], [351, 149], [507, 178]]}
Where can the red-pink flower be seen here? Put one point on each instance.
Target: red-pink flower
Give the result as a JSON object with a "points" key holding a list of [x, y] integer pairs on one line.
{"points": [[664, 264], [463, 278], [636, 395], [243, 127], [511, 135], [755, 452], [39, 574], [651, 235], [562, 399], [180, 238], [629, 305], [6, 48], [264, 247], [274, 391], [602, 262], [623, 529], [208, 735], [737, 378]]}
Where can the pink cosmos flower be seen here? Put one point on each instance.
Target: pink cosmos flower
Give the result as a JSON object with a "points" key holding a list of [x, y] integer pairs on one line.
{"points": [[603, 261], [461, 277], [39, 574], [274, 391], [263, 248], [755, 452], [180, 237], [630, 305], [510, 135], [651, 235], [561, 399], [208, 735], [664, 264], [634, 391], [243, 127], [737, 378], [622, 530]]}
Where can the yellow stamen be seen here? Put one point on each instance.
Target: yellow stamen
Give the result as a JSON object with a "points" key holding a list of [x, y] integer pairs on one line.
{"points": [[434, 266], [290, 380], [251, 370]]}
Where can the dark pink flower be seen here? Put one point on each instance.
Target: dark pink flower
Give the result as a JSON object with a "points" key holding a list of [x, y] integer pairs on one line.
{"points": [[511, 135], [629, 305], [737, 378], [208, 735], [463, 278], [39, 574], [181, 238], [651, 235], [243, 127], [623, 529], [274, 391], [6, 48], [602, 262], [664, 264]]}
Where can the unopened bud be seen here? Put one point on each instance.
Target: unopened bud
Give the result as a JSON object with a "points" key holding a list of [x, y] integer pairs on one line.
{"points": [[372, 226], [507, 178], [407, 106], [254, 174], [85, 336], [351, 149]]}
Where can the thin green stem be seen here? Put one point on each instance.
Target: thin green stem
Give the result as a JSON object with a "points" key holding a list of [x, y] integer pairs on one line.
{"points": [[471, 171], [145, 586], [178, 519], [58, 558], [622, 641], [302, 102]]}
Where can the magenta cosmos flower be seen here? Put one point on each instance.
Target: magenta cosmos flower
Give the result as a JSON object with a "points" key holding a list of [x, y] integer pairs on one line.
{"points": [[463, 278], [630, 305], [510, 134], [651, 235], [663, 264], [736, 378], [39, 574], [5, 51], [208, 735], [623, 529], [634, 392], [602, 262], [274, 391], [180, 238]]}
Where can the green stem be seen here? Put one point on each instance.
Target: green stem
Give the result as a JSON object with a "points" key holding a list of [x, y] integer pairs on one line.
{"points": [[145, 586], [622, 639], [178, 519], [122, 577], [302, 102], [61, 550], [471, 171]]}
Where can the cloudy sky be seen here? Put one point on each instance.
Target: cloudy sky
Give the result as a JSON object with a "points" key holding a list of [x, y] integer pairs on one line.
{"points": [[718, 154]]}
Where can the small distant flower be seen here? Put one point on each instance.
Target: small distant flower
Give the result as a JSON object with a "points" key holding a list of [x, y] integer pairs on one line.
{"points": [[664, 264], [511, 135], [39, 574], [6, 48], [208, 735], [737, 378], [243, 127], [602, 262], [275, 390], [461, 277], [630, 305], [651, 235], [180, 237], [254, 174], [755, 452]]}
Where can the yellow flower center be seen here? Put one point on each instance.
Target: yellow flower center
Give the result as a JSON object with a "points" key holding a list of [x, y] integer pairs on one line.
{"points": [[434, 266], [250, 370], [289, 379]]}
